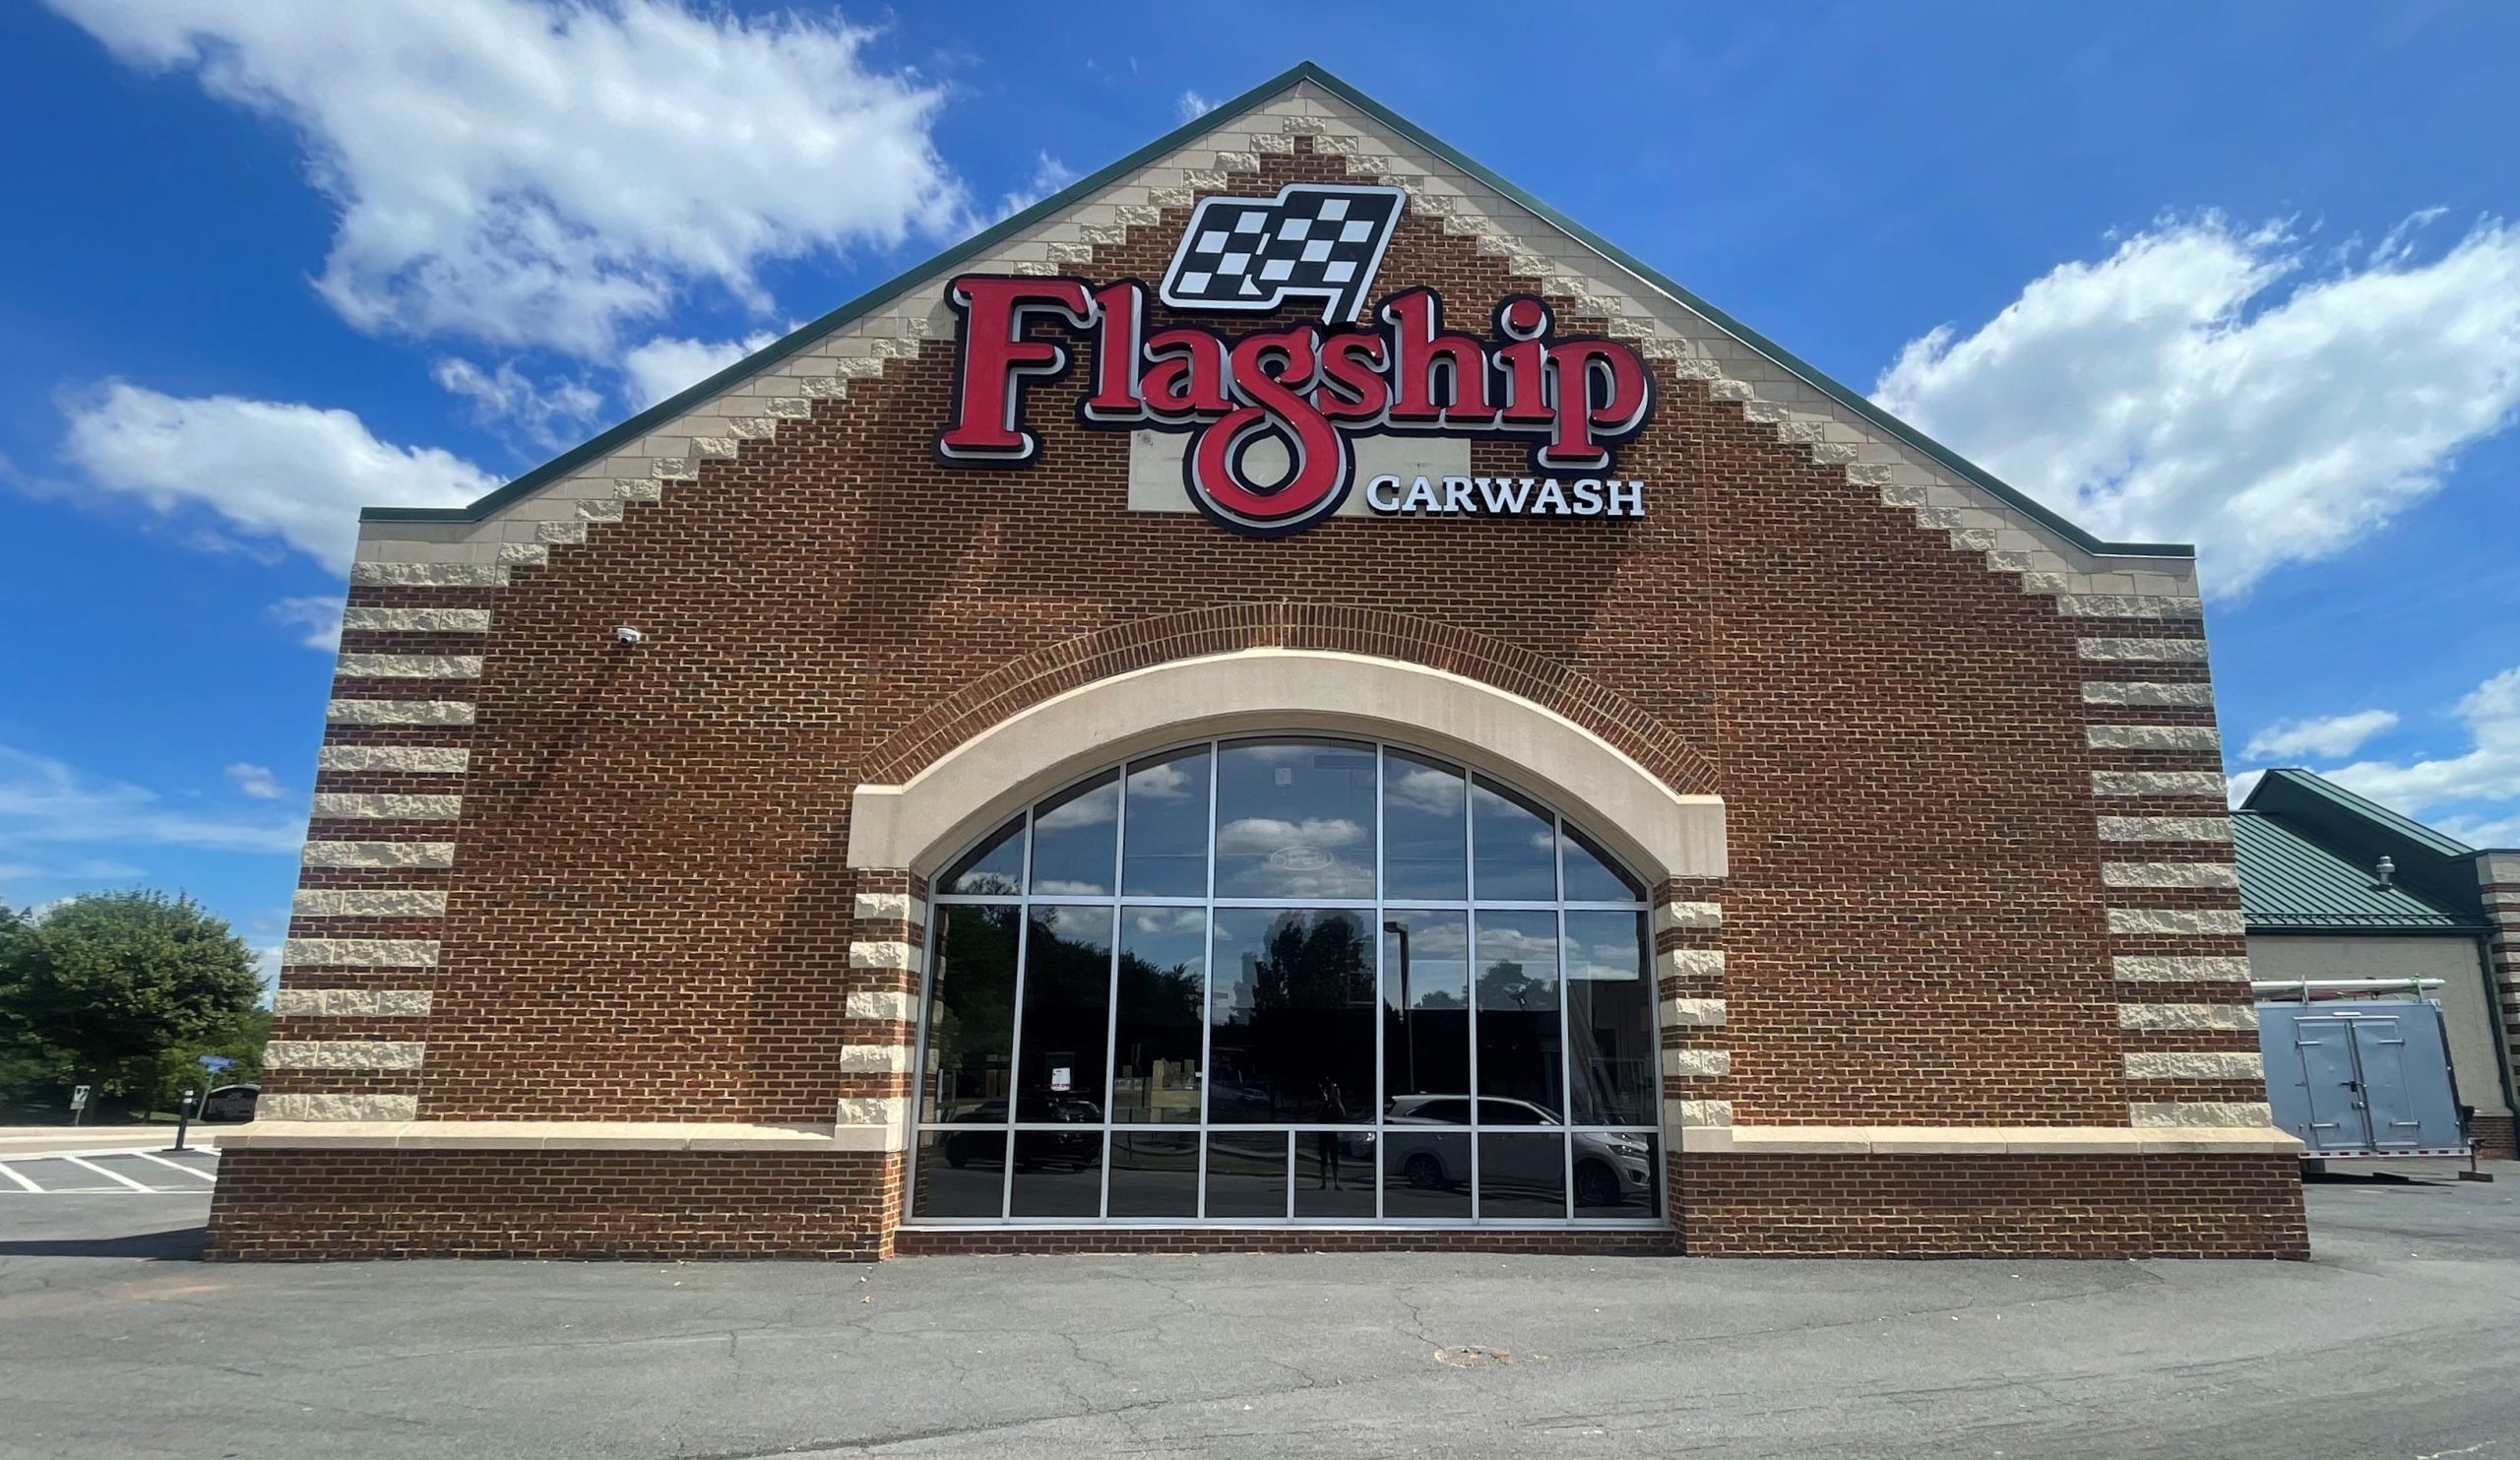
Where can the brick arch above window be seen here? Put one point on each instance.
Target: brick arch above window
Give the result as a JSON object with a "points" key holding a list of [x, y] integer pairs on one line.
{"points": [[1012, 736]]}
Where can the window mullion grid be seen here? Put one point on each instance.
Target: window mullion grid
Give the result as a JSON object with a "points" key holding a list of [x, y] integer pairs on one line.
{"points": [[1565, 1045], [1382, 854], [1015, 1021], [1208, 973], [1470, 931], [1111, 1005]]}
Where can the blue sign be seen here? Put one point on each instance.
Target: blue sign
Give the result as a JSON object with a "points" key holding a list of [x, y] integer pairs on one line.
{"points": [[215, 1062]]}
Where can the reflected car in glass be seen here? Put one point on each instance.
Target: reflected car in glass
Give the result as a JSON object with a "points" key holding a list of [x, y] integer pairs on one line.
{"points": [[1610, 1170]]}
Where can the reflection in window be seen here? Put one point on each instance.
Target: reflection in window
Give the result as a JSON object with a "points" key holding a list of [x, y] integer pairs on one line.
{"points": [[971, 1018], [1277, 979], [1516, 844], [1290, 1009], [1067, 999], [1167, 827], [1155, 1043], [1295, 820], [1516, 956]]}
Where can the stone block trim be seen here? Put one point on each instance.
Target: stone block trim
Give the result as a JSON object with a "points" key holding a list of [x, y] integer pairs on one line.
{"points": [[1695, 1063], [368, 621], [2179, 737], [2154, 968], [2189, 1065], [399, 711], [2158, 782], [2143, 650], [285, 1106], [884, 906], [352, 805], [409, 666], [2187, 1016], [2166, 829], [883, 1006], [2140, 692], [404, 953], [2177, 921], [352, 1003], [1693, 963], [885, 954], [1692, 1013], [342, 1054], [2170, 874], [2202, 1113], [379, 854], [412, 760], [368, 902]]}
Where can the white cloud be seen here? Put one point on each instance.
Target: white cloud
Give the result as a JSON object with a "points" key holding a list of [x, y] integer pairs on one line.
{"points": [[2481, 831], [2488, 773], [547, 416], [543, 173], [45, 805], [2213, 384], [254, 781], [664, 367], [299, 474], [2241, 785], [319, 615], [1049, 174], [2328, 735], [1194, 107]]}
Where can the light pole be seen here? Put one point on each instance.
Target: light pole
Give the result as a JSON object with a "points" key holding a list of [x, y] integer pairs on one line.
{"points": [[1407, 1030]]}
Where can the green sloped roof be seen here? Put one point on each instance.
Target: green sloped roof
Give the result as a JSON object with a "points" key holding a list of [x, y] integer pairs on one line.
{"points": [[1852, 400], [2287, 881]]}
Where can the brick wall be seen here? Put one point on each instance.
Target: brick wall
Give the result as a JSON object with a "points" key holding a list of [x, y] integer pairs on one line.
{"points": [[296, 1204], [1980, 873], [2046, 1206]]}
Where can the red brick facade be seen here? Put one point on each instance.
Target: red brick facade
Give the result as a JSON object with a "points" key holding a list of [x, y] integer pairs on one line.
{"points": [[649, 913]]}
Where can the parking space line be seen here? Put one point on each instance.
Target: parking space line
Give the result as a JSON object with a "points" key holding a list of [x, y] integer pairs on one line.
{"points": [[193, 1171], [111, 1176], [11, 1171]]}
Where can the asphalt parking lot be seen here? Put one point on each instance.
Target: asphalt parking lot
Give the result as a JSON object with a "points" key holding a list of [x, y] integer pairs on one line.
{"points": [[106, 1171], [2401, 1338]]}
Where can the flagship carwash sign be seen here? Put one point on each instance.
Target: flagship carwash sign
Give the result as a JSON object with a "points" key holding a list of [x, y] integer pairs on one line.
{"points": [[1314, 388]]}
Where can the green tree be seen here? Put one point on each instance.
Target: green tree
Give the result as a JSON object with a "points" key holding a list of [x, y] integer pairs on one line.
{"points": [[118, 985]]}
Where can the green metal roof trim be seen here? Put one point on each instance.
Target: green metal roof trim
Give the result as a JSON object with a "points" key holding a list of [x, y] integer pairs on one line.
{"points": [[2288, 778], [666, 410], [2287, 881]]}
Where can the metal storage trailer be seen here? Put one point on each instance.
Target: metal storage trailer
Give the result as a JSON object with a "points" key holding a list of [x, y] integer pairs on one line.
{"points": [[2360, 1077]]}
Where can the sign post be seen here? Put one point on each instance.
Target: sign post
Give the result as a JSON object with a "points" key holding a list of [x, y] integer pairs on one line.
{"points": [[183, 1116], [79, 1105]]}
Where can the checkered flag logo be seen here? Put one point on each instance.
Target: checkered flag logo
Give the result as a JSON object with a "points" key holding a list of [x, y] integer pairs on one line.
{"points": [[1310, 242]]}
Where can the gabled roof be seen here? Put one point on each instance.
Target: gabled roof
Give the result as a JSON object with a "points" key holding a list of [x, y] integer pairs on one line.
{"points": [[1307, 72], [2287, 881], [2307, 848]]}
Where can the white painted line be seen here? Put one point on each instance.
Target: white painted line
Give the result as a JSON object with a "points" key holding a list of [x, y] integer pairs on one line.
{"points": [[205, 1176], [11, 1173], [109, 1175]]}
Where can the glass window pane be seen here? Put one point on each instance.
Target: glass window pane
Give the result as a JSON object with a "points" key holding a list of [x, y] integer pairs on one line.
{"points": [[1591, 876], [1521, 1177], [1426, 1174], [1425, 1027], [1517, 848], [1618, 1176], [1058, 1173], [1296, 819], [1291, 1011], [970, 1014], [1518, 1051], [961, 1174], [1155, 1174], [1425, 829], [1247, 1174], [1163, 962], [1609, 1019], [1334, 1174], [1166, 846], [1067, 1005], [994, 868], [1076, 838]]}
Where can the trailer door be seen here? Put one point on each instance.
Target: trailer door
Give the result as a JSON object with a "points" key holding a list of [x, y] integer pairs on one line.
{"points": [[2338, 1118], [2380, 1058]]}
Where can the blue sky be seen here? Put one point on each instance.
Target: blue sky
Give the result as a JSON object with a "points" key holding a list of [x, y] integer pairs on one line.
{"points": [[2239, 275]]}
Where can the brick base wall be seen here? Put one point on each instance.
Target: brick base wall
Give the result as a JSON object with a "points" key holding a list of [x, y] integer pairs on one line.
{"points": [[2496, 1137], [1968, 1206], [301, 1205]]}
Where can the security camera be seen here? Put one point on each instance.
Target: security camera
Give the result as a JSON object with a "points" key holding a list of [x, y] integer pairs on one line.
{"points": [[629, 635]]}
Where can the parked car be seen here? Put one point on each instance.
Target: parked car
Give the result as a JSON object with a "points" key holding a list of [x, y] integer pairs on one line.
{"points": [[230, 1102], [1032, 1148], [1610, 1169]]}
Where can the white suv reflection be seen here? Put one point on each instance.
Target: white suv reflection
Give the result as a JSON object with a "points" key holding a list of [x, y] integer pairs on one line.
{"points": [[1610, 1169]]}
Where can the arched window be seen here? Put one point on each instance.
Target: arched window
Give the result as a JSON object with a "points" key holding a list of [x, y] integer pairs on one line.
{"points": [[1307, 982]]}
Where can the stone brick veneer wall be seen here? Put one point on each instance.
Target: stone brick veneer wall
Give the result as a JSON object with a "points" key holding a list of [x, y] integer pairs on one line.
{"points": [[1979, 861]]}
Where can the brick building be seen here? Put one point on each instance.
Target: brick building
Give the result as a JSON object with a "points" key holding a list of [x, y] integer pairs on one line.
{"points": [[1287, 696]]}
